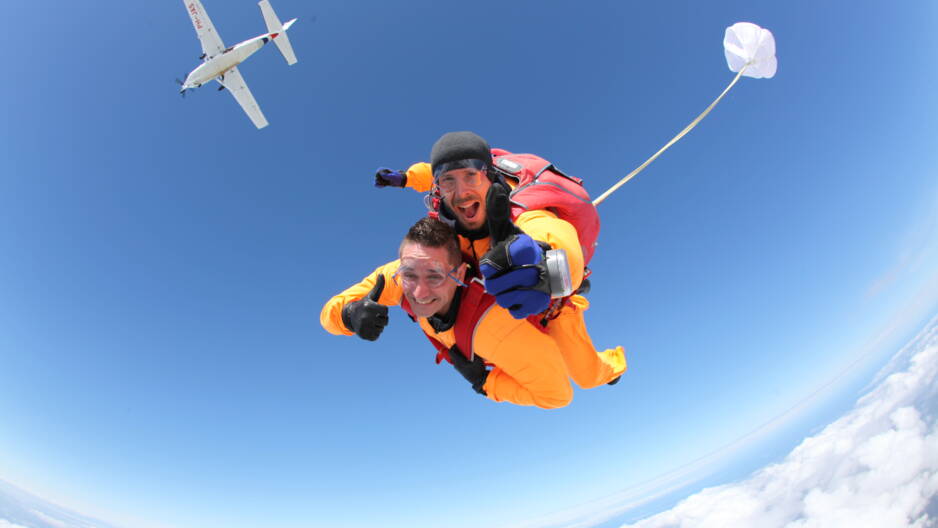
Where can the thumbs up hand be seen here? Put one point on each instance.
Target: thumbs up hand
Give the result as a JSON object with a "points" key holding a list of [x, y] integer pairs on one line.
{"points": [[513, 267], [498, 214], [366, 317]]}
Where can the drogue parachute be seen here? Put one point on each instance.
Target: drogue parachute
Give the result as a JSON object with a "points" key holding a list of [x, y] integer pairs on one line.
{"points": [[750, 52]]}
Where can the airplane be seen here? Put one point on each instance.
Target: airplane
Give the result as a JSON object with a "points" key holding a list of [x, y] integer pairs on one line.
{"points": [[220, 63]]}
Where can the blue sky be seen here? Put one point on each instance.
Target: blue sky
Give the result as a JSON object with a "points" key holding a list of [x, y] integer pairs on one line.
{"points": [[164, 263]]}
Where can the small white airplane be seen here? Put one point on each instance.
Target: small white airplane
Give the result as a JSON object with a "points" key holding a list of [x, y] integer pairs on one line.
{"points": [[220, 63]]}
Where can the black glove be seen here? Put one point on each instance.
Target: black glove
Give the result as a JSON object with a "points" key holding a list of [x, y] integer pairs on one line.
{"points": [[385, 177], [498, 214], [366, 317], [474, 371]]}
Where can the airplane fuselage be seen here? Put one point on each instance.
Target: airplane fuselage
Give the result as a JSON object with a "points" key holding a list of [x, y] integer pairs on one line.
{"points": [[221, 63]]}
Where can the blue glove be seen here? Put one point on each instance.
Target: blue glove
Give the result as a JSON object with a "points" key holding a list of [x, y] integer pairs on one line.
{"points": [[515, 274], [385, 177]]}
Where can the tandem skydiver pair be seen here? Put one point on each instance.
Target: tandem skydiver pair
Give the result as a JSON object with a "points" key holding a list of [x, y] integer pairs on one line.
{"points": [[493, 276]]}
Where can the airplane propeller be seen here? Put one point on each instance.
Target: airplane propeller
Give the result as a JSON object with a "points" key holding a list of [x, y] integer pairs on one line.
{"points": [[184, 90]]}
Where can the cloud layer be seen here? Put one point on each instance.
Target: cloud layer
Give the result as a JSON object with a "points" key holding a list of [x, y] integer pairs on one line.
{"points": [[19, 509], [876, 466]]}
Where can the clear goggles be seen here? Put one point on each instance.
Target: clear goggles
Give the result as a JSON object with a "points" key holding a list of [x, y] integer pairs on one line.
{"points": [[408, 277], [469, 173]]}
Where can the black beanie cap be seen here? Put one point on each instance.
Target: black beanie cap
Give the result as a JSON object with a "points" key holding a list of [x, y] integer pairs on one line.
{"points": [[456, 146]]}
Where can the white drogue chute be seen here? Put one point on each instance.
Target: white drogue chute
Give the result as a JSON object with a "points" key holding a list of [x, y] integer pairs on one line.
{"points": [[750, 51]]}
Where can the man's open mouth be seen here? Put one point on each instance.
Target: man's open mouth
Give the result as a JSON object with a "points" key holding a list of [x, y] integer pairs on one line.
{"points": [[470, 210]]}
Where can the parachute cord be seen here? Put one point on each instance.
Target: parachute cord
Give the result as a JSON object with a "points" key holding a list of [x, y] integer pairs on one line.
{"points": [[674, 140]]}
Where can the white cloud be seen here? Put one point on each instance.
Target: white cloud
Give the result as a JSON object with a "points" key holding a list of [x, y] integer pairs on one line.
{"points": [[876, 466], [48, 519], [22, 509]]}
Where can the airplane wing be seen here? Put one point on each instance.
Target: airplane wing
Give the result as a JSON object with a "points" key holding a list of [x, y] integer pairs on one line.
{"points": [[235, 84], [211, 40]]}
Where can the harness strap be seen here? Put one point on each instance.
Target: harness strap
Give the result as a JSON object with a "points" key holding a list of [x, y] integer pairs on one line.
{"points": [[467, 320]]}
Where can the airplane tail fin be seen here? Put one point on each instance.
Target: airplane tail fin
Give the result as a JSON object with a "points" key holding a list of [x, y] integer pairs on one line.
{"points": [[274, 26]]}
